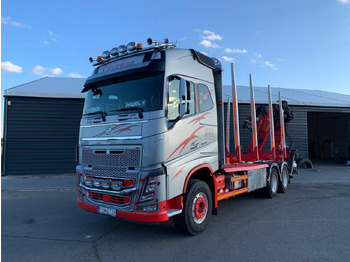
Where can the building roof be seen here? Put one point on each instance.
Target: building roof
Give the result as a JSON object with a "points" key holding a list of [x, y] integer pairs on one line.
{"points": [[298, 97], [51, 87], [60, 87]]}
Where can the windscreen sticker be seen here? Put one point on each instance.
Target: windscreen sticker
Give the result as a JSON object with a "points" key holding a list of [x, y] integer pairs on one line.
{"points": [[136, 103]]}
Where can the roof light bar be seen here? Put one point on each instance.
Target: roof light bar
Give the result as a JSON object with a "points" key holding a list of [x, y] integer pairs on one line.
{"points": [[114, 51], [122, 49], [106, 54], [131, 46]]}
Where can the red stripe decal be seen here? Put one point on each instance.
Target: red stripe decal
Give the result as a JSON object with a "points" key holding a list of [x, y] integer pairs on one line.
{"points": [[184, 143]]}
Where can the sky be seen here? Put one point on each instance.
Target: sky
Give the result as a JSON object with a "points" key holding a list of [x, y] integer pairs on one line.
{"points": [[301, 44]]}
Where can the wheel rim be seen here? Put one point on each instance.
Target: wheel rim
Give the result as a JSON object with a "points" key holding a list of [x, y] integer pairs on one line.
{"points": [[285, 178], [273, 183], [200, 208]]}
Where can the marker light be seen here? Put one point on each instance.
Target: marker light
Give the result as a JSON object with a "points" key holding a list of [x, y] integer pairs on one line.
{"points": [[138, 46], [131, 46], [114, 51], [122, 49], [99, 58], [106, 54]]}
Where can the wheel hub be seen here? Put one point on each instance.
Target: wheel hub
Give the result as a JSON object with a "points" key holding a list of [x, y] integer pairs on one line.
{"points": [[200, 208]]}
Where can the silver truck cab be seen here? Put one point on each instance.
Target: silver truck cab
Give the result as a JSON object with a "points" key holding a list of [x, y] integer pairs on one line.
{"points": [[149, 122]]}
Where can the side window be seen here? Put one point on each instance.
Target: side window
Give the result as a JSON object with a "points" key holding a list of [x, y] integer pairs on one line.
{"points": [[205, 101], [190, 98], [173, 98]]}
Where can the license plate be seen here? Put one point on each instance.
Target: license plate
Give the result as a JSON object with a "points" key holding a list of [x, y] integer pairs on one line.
{"points": [[107, 211]]}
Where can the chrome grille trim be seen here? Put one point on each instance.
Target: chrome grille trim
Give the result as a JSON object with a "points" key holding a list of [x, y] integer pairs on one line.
{"points": [[131, 157]]}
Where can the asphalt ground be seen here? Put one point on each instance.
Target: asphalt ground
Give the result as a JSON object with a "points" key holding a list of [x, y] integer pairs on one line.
{"points": [[311, 222]]}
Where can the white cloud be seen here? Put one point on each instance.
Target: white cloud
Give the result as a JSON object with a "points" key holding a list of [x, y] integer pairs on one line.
{"points": [[228, 59], [9, 67], [75, 75], [267, 63], [208, 44], [235, 51], [209, 35], [42, 71], [343, 2], [52, 39], [258, 55], [8, 21]]}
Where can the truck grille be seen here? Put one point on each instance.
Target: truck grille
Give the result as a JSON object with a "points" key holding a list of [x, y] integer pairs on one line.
{"points": [[110, 199], [127, 157]]}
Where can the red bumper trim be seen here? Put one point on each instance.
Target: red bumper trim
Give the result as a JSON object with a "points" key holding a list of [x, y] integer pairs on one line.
{"points": [[135, 216]]}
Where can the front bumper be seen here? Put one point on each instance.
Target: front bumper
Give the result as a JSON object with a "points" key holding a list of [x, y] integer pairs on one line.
{"points": [[151, 217]]}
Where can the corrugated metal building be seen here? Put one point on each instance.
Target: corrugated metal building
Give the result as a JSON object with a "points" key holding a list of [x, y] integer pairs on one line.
{"points": [[41, 124], [321, 122]]}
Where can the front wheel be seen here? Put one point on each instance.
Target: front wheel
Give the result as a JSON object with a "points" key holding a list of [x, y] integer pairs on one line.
{"points": [[197, 208]]}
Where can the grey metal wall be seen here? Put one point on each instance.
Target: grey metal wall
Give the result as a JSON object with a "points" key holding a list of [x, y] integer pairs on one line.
{"points": [[40, 135]]}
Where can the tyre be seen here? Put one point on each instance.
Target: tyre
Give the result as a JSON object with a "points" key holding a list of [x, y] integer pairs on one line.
{"points": [[197, 209], [272, 185], [284, 181]]}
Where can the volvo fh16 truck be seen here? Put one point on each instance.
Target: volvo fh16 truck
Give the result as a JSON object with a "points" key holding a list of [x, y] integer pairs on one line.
{"points": [[152, 141]]}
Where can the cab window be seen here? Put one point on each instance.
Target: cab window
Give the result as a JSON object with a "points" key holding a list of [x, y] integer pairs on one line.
{"points": [[205, 101], [173, 98]]}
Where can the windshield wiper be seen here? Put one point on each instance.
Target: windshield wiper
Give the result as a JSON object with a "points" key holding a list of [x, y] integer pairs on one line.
{"points": [[139, 110], [103, 114]]}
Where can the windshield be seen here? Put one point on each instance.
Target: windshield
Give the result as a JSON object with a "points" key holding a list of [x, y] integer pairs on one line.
{"points": [[144, 93]]}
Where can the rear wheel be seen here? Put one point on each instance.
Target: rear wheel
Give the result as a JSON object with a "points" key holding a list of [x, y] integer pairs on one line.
{"points": [[283, 183], [197, 208], [272, 185]]}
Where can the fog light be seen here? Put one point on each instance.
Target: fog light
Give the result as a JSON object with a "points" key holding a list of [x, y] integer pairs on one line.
{"points": [[151, 208]]}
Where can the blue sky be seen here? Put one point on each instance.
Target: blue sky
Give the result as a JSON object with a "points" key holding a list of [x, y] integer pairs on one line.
{"points": [[292, 43]]}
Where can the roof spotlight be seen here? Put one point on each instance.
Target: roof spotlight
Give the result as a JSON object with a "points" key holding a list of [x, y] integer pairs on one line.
{"points": [[106, 54], [122, 49], [131, 46], [114, 51]]}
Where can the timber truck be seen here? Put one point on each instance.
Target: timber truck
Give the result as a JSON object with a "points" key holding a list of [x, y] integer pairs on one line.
{"points": [[153, 145]]}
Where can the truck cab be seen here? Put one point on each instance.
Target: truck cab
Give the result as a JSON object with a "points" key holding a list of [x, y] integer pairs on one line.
{"points": [[149, 124]]}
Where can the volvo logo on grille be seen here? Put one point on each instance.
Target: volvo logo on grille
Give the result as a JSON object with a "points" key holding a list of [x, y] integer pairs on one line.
{"points": [[108, 130]]}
